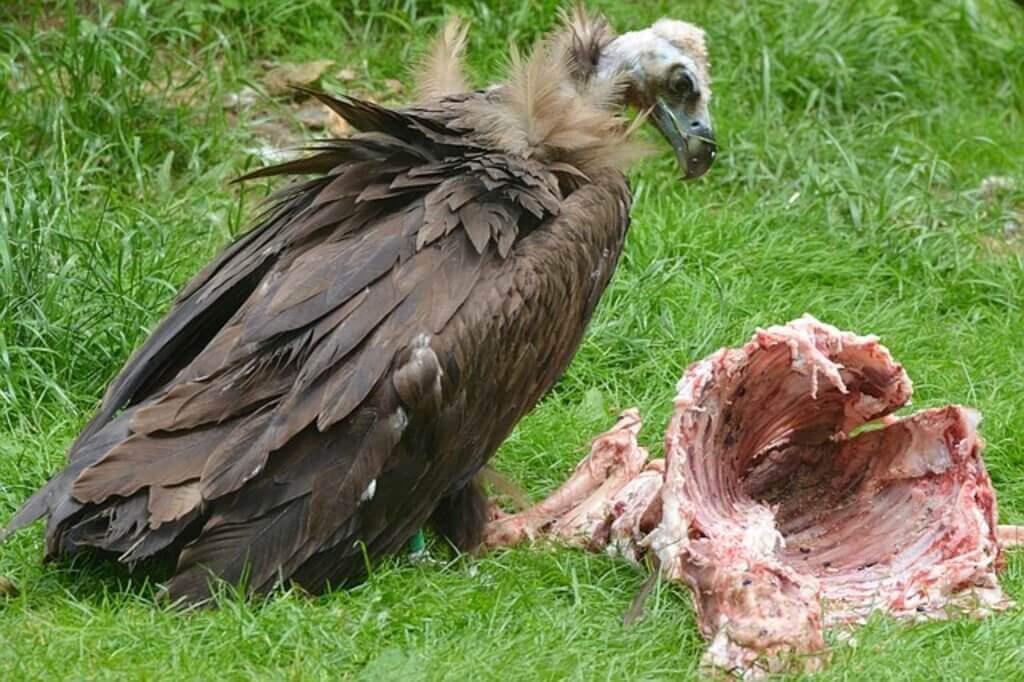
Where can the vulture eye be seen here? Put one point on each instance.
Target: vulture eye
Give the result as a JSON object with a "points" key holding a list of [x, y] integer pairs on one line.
{"points": [[682, 84]]}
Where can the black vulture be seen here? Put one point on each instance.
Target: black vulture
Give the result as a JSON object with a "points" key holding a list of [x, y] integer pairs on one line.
{"points": [[338, 376]]}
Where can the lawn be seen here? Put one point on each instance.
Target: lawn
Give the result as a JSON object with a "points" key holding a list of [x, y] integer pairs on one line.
{"points": [[856, 139]]}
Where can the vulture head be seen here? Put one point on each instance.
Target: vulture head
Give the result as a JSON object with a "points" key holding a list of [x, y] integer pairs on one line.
{"points": [[665, 71], [564, 102]]}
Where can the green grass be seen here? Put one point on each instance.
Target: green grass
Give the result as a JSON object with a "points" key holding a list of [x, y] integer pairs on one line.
{"points": [[854, 138]]}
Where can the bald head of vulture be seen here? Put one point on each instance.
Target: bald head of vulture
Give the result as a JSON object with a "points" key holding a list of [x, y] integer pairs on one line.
{"points": [[665, 69], [338, 376]]}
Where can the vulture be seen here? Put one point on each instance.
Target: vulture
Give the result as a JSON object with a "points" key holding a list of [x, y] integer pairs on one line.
{"points": [[336, 379]]}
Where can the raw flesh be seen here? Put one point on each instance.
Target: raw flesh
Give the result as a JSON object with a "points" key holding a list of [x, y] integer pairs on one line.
{"points": [[791, 499]]}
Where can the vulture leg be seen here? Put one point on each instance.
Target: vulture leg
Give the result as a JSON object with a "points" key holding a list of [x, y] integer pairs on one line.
{"points": [[460, 518]]}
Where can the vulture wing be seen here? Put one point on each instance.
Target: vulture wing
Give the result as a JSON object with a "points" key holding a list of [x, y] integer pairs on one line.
{"points": [[344, 368]]}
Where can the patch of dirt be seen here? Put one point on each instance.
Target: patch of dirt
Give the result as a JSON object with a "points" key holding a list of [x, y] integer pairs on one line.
{"points": [[314, 115], [280, 118], [1010, 240], [282, 79], [283, 119], [7, 588], [997, 193], [244, 99], [51, 15], [994, 185], [345, 75]]}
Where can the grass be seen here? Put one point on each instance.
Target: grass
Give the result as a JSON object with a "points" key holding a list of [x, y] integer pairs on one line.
{"points": [[854, 135]]}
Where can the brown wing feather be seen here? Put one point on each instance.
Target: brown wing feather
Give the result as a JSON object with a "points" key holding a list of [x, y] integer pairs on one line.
{"points": [[170, 503], [231, 463], [146, 459]]}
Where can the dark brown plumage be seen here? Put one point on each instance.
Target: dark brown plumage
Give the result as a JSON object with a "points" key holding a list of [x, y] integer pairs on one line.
{"points": [[340, 373]]}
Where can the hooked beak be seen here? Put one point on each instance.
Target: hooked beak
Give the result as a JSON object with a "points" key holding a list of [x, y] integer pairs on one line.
{"points": [[691, 138]]}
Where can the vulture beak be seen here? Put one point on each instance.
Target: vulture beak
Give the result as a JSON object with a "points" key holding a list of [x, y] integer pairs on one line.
{"points": [[690, 136]]}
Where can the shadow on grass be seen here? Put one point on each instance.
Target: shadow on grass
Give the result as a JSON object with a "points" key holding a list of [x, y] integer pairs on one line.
{"points": [[94, 579], [97, 579]]}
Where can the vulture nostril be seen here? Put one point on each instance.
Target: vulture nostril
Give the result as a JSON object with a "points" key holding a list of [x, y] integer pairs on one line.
{"points": [[695, 125]]}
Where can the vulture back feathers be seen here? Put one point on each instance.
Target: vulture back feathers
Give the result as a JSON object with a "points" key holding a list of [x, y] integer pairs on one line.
{"points": [[338, 375]]}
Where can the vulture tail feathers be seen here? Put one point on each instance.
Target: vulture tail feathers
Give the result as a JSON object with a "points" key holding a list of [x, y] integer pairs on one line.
{"points": [[143, 460], [168, 503], [43, 501], [54, 498], [235, 461], [323, 480], [155, 540], [125, 518], [197, 403], [122, 528]]}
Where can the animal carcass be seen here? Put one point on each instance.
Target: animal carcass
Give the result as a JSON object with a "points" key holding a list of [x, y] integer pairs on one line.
{"points": [[791, 499]]}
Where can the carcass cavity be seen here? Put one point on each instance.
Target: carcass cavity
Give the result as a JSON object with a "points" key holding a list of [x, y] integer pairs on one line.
{"points": [[788, 448]]}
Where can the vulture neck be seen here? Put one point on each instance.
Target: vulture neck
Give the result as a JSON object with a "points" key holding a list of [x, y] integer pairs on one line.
{"points": [[615, 63], [619, 61], [564, 103]]}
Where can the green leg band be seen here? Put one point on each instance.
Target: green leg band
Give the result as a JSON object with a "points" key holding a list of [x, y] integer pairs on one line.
{"points": [[417, 543]]}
